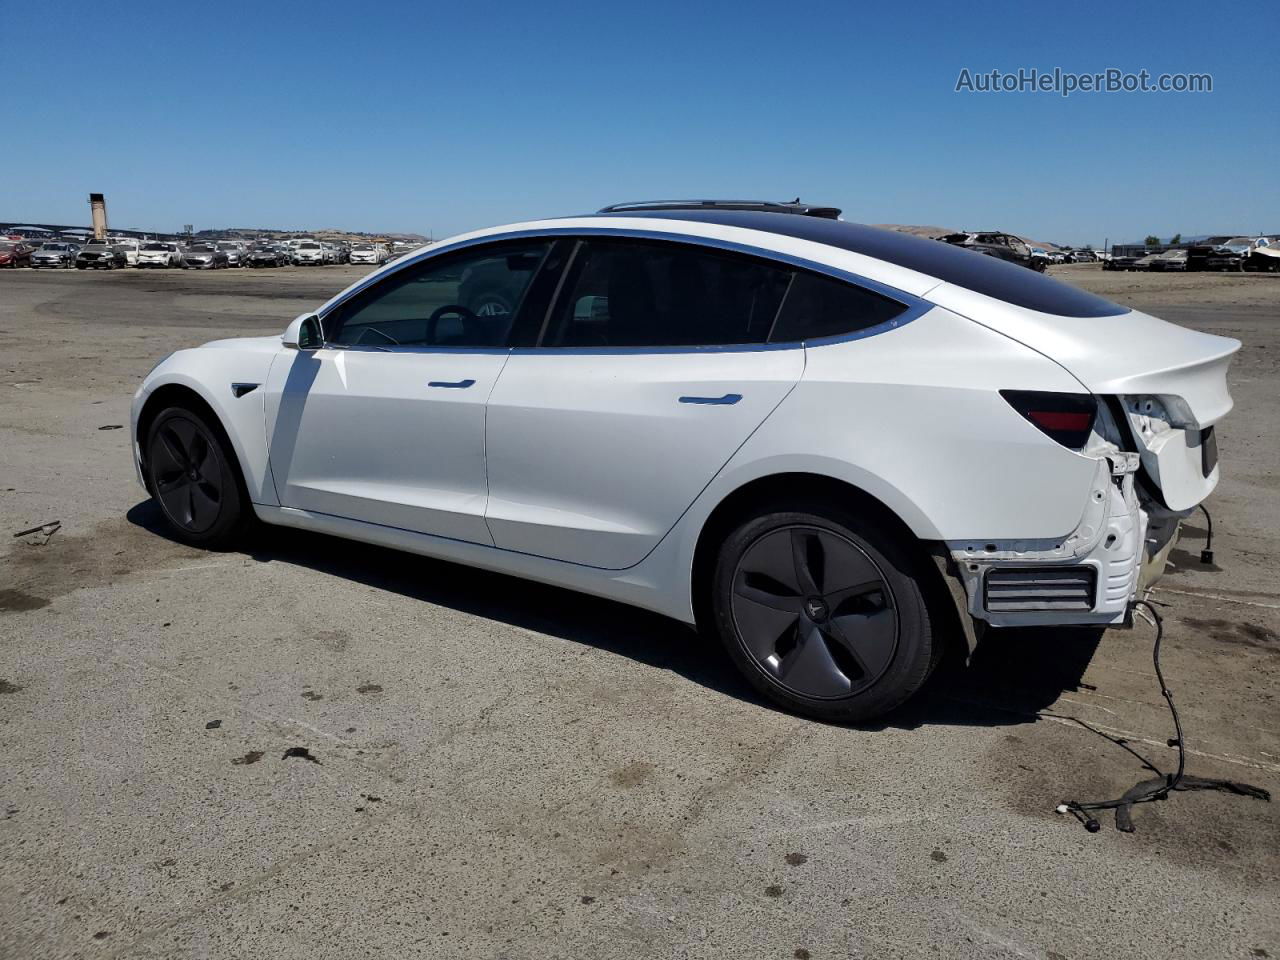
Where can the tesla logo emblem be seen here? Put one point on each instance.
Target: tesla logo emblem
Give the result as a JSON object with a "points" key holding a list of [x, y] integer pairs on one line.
{"points": [[816, 608]]}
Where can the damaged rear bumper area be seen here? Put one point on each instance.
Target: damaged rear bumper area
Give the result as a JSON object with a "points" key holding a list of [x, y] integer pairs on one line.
{"points": [[1087, 578], [1154, 467]]}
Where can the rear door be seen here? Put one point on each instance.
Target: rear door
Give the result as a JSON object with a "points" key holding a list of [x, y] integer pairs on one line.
{"points": [[652, 369], [385, 422]]}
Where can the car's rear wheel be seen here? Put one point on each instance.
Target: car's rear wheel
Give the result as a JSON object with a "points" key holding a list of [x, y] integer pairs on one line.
{"points": [[191, 472], [823, 613]]}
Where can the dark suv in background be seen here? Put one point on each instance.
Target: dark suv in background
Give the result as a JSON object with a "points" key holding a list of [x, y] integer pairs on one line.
{"points": [[1004, 246], [101, 255]]}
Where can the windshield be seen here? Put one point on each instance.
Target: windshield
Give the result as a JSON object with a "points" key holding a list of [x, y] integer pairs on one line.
{"points": [[363, 246], [202, 247], [309, 246], [164, 247], [56, 246]]}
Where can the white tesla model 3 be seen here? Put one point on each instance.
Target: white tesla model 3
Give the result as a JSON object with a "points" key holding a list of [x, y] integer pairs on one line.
{"points": [[793, 430]]}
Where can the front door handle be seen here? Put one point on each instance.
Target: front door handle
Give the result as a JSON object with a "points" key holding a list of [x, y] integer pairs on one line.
{"points": [[452, 384], [726, 400]]}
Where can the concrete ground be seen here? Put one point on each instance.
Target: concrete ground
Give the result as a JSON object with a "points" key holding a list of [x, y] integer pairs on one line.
{"points": [[497, 769]]}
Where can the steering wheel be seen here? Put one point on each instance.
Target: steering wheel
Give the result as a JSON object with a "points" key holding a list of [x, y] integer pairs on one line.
{"points": [[471, 325]]}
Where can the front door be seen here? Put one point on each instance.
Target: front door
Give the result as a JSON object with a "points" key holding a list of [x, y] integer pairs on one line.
{"points": [[385, 423]]}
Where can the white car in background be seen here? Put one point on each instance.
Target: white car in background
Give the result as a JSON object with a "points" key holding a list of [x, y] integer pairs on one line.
{"points": [[374, 253], [131, 248], [310, 253], [158, 253], [799, 433]]}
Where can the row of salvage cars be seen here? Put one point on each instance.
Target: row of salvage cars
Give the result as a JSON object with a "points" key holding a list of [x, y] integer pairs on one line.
{"points": [[1234, 254], [116, 252]]}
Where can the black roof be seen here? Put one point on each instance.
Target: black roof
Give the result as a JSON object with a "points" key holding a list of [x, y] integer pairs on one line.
{"points": [[974, 271]]}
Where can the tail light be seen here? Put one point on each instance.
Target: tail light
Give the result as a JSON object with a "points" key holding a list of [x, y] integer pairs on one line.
{"points": [[1064, 417]]}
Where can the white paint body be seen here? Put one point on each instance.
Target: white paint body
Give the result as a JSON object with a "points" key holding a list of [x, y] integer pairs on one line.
{"points": [[583, 469]]}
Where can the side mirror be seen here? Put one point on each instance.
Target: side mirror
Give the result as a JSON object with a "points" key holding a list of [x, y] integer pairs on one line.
{"points": [[303, 333]]}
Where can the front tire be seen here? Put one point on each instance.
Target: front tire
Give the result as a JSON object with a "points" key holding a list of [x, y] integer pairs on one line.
{"points": [[822, 611], [192, 474]]}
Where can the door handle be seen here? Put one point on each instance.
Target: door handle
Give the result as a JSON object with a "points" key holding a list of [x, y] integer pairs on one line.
{"points": [[452, 384], [726, 400]]}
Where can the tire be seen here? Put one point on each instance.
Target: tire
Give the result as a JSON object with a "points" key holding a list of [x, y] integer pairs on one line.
{"points": [[813, 644], [194, 478]]}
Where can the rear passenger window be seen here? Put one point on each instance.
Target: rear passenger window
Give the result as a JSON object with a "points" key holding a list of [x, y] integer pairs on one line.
{"points": [[630, 293], [818, 306]]}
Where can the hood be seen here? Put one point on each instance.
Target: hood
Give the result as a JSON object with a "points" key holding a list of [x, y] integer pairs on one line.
{"points": [[1129, 354]]}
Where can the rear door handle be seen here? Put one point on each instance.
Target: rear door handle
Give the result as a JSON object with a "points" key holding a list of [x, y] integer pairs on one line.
{"points": [[452, 384], [726, 400]]}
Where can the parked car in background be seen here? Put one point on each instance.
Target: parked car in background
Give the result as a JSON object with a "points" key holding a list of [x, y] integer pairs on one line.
{"points": [[101, 255], [158, 253], [235, 251], [131, 248], [1222, 253], [1042, 255], [267, 255], [1265, 258], [1173, 260], [1084, 256], [1004, 246], [310, 253], [15, 253], [55, 253], [1114, 262], [206, 255], [374, 253]]}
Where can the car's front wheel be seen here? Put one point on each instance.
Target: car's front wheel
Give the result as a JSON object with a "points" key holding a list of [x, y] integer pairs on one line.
{"points": [[191, 473], [823, 612]]}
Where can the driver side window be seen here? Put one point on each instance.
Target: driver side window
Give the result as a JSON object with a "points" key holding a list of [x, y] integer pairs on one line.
{"points": [[465, 300]]}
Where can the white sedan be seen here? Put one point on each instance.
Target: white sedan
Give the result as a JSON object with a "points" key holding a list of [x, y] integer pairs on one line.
{"points": [[160, 254], [793, 431]]}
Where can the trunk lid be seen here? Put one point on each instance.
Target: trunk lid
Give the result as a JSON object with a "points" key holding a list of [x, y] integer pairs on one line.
{"points": [[1171, 381]]}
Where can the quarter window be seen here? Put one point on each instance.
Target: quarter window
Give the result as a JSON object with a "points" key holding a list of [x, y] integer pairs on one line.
{"points": [[630, 293], [818, 306], [466, 300]]}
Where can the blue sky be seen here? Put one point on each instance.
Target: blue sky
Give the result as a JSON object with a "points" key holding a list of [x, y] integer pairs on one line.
{"points": [[437, 118]]}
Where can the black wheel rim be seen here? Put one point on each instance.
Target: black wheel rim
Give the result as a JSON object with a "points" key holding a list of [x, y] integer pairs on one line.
{"points": [[814, 612], [187, 473]]}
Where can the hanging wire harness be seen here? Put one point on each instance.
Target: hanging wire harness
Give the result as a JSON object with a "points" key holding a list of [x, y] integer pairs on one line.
{"points": [[1159, 787]]}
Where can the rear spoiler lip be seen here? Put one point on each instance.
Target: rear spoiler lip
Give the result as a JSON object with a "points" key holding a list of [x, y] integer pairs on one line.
{"points": [[1200, 382], [1131, 353]]}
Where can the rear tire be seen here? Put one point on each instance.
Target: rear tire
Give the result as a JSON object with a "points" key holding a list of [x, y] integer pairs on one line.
{"points": [[194, 477], [822, 611]]}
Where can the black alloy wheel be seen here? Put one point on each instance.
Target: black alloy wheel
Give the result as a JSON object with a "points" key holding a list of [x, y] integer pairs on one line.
{"points": [[824, 612], [814, 612], [193, 476]]}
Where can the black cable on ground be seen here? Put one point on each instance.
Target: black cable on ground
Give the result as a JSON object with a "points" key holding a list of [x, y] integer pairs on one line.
{"points": [[1160, 787], [1206, 555]]}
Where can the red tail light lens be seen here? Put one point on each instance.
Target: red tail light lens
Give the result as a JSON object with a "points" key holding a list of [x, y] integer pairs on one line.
{"points": [[1065, 417]]}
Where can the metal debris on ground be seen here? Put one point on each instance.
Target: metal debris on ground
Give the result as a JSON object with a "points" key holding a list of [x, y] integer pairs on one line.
{"points": [[47, 530]]}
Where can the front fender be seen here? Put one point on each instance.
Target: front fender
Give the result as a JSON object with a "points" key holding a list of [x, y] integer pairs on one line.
{"points": [[209, 372]]}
